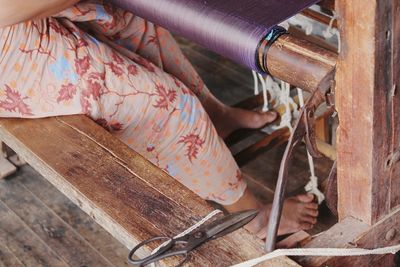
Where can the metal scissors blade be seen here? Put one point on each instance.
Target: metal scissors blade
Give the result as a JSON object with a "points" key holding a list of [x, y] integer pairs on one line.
{"points": [[229, 223]]}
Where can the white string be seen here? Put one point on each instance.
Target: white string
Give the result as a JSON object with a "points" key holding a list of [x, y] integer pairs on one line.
{"points": [[187, 231], [320, 252], [312, 185], [285, 99], [331, 31], [255, 78], [309, 28], [265, 107]]}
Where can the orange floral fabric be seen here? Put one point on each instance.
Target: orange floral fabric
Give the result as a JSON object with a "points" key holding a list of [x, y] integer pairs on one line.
{"points": [[128, 75]]}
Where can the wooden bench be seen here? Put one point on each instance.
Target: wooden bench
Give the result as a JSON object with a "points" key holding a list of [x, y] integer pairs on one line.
{"points": [[126, 194]]}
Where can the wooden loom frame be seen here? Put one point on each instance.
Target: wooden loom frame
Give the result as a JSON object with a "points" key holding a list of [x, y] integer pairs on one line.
{"points": [[368, 152]]}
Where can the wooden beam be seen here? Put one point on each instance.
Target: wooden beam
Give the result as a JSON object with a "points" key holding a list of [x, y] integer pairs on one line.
{"points": [[298, 62], [127, 195], [320, 17], [327, 4], [364, 100], [394, 163], [350, 233]]}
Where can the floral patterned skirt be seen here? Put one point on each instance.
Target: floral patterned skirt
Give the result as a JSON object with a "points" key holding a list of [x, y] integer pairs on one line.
{"points": [[128, 75]]}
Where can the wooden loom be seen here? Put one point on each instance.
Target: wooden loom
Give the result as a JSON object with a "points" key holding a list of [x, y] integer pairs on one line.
{"points": [[134, 200]]}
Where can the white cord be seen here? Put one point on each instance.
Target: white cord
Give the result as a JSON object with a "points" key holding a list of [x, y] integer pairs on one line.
{"points": [[312, 185], [265, 93], [320, 252], [285, 99], [255, 78], [331, 31]]}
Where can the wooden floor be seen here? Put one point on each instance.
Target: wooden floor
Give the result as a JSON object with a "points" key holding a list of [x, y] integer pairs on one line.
{"points": [[41, 227]]}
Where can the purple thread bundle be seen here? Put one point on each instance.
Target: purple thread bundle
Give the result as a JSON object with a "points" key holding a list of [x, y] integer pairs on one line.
{"points": [[232, 28]]}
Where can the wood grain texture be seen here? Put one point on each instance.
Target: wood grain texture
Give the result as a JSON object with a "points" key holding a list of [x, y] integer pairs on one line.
{"points": [[58, 235], [353, 233], [299, 62], [123, 192], [60, 205], [364, 88], [395, 106], [7, 258], [318, 16], [23, 243], [339, 236]]}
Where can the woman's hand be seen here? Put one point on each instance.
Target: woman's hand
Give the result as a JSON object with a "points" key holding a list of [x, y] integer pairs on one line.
{"points": [[15, 11]]}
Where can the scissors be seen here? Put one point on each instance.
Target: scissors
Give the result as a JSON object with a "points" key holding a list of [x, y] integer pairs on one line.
{"points": [[219, 227]]}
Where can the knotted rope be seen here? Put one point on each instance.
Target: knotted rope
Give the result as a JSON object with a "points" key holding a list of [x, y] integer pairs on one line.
{"points": [[312, 186]]}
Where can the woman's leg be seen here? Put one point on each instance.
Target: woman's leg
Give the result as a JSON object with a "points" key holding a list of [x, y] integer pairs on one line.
{"points": [[158, 46]]}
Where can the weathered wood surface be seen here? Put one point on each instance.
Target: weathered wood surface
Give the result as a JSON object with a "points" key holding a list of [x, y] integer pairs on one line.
{"points": [[51, 229], [299, 62], [395, 108], [23, 243], [339, 236], [128, 196], [320, 17], [7, 258], [351, 232], [72, 215], [367, 81]]}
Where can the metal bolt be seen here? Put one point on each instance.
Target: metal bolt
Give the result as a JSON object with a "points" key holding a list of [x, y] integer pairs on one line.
{"points": [[390, 235], [198, 235]]}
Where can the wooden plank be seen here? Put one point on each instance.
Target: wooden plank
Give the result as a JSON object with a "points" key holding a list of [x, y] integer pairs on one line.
{"points": [[58, 235], [364, 86], [101, 240], [127, 195], [339, 236], [6, 167], [353, 233], [395, 105], [23, 243], [7, 258]]}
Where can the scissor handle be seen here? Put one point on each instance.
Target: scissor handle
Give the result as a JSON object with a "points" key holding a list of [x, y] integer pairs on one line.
{"points": [[160, 254]]}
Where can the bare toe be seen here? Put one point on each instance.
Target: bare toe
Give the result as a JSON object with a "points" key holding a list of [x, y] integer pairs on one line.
{"points": [[306, 226], [309, 219], [307, 198], [311, 212], [311, 206]]}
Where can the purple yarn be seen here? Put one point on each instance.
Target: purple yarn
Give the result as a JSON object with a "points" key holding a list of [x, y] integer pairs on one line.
{"points": [[232, 28]]}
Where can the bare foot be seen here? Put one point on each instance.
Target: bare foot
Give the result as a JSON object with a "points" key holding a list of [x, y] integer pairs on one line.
{"points": [[232, 119], [299, 213]]}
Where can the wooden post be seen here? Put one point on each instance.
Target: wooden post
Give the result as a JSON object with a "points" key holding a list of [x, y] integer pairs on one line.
{"points": [[6, 167], [369, 111]]}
